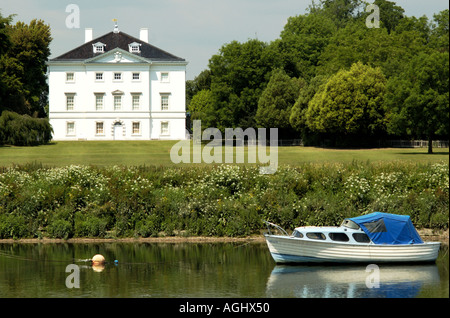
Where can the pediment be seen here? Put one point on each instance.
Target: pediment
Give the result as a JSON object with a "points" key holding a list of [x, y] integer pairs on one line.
{"points": [[116, 56]]}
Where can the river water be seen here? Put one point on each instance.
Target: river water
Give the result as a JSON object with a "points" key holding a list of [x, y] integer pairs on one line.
{"points": [[197, 270]]}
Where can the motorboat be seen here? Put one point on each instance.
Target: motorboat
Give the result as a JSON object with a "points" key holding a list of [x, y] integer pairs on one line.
{"points": [[373, 238]]}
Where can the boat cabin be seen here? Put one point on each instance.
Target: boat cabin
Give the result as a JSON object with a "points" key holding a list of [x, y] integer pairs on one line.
{"points": [[349, 232]]}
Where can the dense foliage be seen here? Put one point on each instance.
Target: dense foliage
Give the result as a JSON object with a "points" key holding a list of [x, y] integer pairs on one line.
{"points": [[23, 130], [81, 201], [24, 51], [409, 55]]}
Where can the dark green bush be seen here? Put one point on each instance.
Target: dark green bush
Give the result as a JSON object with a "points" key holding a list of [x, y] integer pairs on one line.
{"points": [[13, 226], [60, 229], [90, 226], [23, 130]]}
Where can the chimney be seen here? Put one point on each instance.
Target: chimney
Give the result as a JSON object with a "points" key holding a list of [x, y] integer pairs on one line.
{"points": [[143, 35], [88, 35]]}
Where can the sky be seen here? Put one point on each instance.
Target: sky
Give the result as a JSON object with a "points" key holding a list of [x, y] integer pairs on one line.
{"points": [[192, 29]]}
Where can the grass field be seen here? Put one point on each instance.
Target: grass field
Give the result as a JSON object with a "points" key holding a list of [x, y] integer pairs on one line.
{"points": [[138, 153]]}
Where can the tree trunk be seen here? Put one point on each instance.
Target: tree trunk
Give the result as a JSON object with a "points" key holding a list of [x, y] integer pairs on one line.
{"points": [[430, 144]]}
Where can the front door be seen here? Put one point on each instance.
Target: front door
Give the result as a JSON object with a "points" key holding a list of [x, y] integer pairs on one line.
{"points": [[118, 131]]}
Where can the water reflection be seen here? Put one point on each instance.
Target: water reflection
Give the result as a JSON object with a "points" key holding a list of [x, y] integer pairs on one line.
{"points": [[351, 281], [222, 270]]}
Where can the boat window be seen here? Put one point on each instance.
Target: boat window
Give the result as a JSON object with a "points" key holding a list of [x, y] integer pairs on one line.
{"points": [[350, 224], [375, 226], [316, 236], [361, 237], [339, 237], [297, 234]]}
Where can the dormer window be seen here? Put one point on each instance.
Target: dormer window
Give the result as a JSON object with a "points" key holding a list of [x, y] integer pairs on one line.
{"points": [[134, 47], [99, 47]]}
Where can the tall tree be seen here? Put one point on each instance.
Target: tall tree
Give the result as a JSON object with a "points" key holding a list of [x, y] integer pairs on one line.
{"points": [[417, 101], [342, 11], [239, 73], [201, 108], [439, 38], [297, 118], [301, 43], [350, 103], [390, 14], [201, 82], [23, 68], [276, 101]]}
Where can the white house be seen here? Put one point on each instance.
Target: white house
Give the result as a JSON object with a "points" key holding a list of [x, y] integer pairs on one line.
{"points": [[117, 87]]}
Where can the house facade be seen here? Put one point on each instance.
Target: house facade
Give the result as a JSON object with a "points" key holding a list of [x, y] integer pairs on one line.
{"points": [[117, 87]]}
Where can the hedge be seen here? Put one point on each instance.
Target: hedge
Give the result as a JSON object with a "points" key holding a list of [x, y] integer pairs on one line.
{"points": [[225, 200]]}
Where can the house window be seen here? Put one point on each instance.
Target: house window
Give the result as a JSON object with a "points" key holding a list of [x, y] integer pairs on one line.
{"points": [[98, 47], [165, 77], [99, 76], [164, 128], [99, 101], [117, 76], [70, 128], [134, 47], [136, 128], [117, 102], [70, 101], [136, 101], [136, 76], [99, 128], [164, 101], [70, 77]]}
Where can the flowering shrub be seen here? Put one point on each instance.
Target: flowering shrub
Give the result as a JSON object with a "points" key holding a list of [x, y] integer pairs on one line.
{"points": [[223, 200]]}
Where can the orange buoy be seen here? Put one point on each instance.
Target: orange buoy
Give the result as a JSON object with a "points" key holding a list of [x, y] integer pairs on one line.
{"points": [[98, 259]]}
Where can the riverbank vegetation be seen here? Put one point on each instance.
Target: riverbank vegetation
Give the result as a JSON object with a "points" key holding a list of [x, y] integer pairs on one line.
{"points": [[225, 200]]}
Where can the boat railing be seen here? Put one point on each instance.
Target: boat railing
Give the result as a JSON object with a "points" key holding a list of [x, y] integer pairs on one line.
{"points": [[279, 228]]}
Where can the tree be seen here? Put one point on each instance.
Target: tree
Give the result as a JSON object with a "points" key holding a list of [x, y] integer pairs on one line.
{"points": [[350, 103], [390, 13], [417, 101], [297, 118], [201, 82], [301, 43], [342, 11], [375, 47], [4, 38], [439, 38], [23, 67], [276, 101], [202, 108], [239, 73]]}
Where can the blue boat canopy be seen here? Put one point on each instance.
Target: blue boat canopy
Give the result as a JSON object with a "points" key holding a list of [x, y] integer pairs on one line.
{"points": [[386, 228]]}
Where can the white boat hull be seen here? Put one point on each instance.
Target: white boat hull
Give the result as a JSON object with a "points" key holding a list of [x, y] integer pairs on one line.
{"points": [[286, 249]]}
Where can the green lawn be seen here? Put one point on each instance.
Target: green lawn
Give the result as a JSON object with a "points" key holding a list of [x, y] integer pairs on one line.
{"points": [[136, 153]]}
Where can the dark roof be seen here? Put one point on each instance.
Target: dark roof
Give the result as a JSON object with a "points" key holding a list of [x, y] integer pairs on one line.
{"points": [[118, 40]]}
